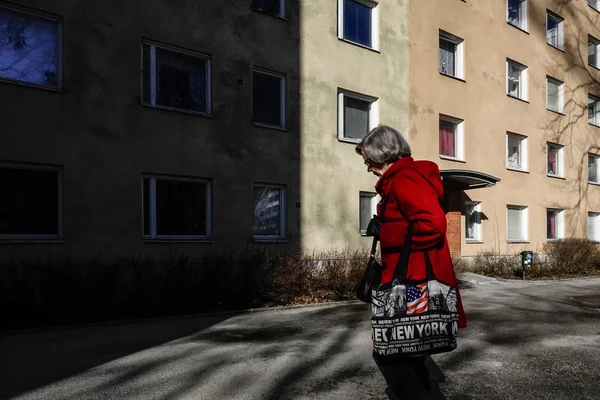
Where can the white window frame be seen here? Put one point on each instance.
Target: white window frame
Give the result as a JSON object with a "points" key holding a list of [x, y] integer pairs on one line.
{"points": [[524, 15], [59, 46], [560, 85], [153, 92], [282, 216], [596, 158], [373, 197], [458, 54], [560, 161], [593, 42], [524, 223], [60, 204], [282, 97], [523, 80], [560, 223], [595, 121], [374, 6], [281, 14], [477, 208], [595, 4], [152, 216], [459, 140], [595, 217], [523, 150], [373, 112], [560, 29]]}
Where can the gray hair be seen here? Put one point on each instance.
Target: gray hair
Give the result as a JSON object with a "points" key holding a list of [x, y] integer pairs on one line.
{"points": [[383, 144]]}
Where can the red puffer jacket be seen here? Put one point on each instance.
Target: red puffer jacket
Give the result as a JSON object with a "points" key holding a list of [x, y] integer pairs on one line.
{"points": [[411, 190]]}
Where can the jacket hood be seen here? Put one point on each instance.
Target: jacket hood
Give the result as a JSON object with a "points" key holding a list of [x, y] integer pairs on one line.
{"points": [[428, 169]]}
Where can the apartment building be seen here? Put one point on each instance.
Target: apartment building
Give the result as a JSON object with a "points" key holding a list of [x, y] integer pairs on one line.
{"points": [[165, 128], [508, 92]]}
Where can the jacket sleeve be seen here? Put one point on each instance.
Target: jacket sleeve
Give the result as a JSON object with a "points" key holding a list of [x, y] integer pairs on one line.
{"points": [[419, 203]]}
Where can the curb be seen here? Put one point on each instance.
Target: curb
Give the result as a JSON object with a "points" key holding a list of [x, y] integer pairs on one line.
{"points": [[183, 316]]}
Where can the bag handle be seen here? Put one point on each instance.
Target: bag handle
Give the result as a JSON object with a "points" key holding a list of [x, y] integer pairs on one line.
{"points": [[401, 270]]}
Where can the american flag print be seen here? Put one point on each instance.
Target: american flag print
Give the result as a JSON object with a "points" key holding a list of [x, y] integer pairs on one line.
{"points": [[417, 298]]}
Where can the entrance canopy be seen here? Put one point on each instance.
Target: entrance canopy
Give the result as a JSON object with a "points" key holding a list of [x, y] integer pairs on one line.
{"points": [[466, 180]]}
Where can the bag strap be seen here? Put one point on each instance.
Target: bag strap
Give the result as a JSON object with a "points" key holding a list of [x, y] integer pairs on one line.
{"points": [[376, 238]]}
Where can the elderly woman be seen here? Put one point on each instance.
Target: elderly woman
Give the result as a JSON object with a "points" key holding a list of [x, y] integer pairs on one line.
{"points": [[411, 191]]}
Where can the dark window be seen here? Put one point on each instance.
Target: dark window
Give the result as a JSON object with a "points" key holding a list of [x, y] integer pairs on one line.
{"points": [[29, 49], [356, 117], [272, 7], [175, 80], [268, 100], [29, 204], [447, 57], [357, 22], [268, 211]]}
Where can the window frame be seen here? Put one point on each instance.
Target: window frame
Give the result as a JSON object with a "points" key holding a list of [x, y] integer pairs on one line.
{"points": [[523, 80], [559, 30], [282, 11], [282, 217], [153, 235], [33, 237], [524, 210], [374, 200], [596, 43], [283, 117], [596, 158], [459, 68], [374, 6], [595, 216], [373, 112], [560, 223], [596, 103], [559, 162], [478, 225], [59, 46], [153, 91], [523, 150], [524, 10], [459, 138], [561, 102]]}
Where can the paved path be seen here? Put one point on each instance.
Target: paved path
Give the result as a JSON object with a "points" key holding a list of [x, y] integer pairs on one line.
{"points": [[524, 341]]}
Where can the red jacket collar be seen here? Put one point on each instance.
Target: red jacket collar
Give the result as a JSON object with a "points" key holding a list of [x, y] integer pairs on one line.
{"points": [[391, 171]]}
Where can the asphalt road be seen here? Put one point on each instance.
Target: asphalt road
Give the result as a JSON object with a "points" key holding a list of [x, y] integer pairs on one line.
{"points": [[524, 341]]}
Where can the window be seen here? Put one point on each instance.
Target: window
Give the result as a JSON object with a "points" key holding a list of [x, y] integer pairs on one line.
{"points": [[593, 110], [594, 4], [269, 212], [31, 202], [451, 138], [357, 115], [269, 99], [593, 51], [516, 152], [175, 79], [555, 224], [554, 95], [516, 13], [368, 208], [593, 168], [30, 48], [358, 22], [272, 7], [554, 156], [176, 208], [554, 30], [516, 82], [516, 223], [451, 55], [473, 221], [594, 226]]}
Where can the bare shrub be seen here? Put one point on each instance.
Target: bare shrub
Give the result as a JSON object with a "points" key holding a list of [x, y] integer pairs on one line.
{"points": [[497, 265]]}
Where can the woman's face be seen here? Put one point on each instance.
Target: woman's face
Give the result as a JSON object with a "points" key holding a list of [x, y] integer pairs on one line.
{"points": [[376, 168]]}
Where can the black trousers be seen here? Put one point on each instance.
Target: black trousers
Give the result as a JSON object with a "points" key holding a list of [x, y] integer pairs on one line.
{"points": [[407, 377]]}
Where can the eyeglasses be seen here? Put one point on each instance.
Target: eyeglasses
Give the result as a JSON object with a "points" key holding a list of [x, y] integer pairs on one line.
{"points": [[368, 162]]}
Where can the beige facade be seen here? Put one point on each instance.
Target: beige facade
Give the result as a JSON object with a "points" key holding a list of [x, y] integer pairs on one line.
{"points": [[552, 42]]}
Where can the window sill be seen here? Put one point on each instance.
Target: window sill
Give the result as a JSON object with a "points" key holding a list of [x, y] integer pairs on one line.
{"points": [[452, 159], [267, 240], [178, 110], [8, 239], [556, 240], [557, 112], [523, 171], [556, 48], [594, 125], [468, 241], [348, 140], [593, 8], [597, 68], [279, 17], [267, 126], [32, 85], [556, 177], [517, 98], [359, 45], [593, 183], [176, 240], [453, 77], [518, 241], [517, 27]]}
